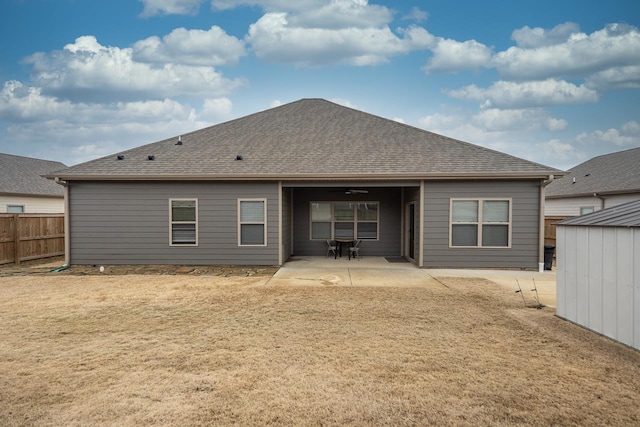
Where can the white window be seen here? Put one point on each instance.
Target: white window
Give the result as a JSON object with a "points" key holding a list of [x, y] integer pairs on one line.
{"points": [[15, 209], [252, 222], [184, 222], [480, 223], [586, 210], [344, 220]]}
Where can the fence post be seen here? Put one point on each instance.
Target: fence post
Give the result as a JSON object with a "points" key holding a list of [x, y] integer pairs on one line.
{"points": [[16, 228]]}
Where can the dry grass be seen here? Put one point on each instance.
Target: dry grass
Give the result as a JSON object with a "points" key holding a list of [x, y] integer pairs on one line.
{"points": [[184, 350]]}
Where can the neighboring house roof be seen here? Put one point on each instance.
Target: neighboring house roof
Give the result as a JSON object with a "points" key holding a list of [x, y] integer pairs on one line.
{"points": [[23, 176], [308, 139], [615, 173], [625, 215]]}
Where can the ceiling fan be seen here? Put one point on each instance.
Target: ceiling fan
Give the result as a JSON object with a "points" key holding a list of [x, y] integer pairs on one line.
{"points": [[355, 191]]}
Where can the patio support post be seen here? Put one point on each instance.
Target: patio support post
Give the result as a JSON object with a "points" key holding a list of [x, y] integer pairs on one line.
{"points": [[280, 254], [421, 228]]}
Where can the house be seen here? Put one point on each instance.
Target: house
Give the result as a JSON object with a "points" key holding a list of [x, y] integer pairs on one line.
{"points": [[281, 182], [602, 182], [598, 272], [24, 190]]}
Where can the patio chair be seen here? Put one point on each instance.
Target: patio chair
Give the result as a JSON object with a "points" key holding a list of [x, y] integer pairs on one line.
{"points": [[354, 251], [331, 247]]}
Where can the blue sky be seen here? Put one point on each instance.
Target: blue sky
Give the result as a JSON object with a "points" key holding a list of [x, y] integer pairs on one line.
{"points": [[556, 82]]}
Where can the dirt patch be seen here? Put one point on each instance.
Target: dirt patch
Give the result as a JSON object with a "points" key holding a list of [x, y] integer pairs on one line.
{"points": [[52, 265], [202, 350]]}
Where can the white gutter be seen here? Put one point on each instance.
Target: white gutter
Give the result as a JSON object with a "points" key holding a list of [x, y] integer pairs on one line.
{"points": [[543, 185], [67, 232], [311, 177]]}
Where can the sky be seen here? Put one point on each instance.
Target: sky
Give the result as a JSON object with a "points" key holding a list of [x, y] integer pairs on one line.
{"points": [[555, 82]]}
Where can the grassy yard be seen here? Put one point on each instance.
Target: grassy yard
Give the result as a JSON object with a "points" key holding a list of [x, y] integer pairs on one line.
{"points": [[183, 350]]}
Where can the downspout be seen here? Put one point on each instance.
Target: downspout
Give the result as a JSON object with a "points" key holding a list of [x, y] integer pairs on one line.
{"points": [[67, 231], [601, 200], [543, 185]]}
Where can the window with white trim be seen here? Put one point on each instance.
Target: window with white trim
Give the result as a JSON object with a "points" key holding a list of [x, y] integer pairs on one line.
{"points": [[15, 208], [344, 220], [252, 222], [586, 210], [184, 222], [480, 223]]}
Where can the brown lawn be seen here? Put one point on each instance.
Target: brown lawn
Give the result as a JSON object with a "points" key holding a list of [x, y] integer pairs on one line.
{"points": [[192, 350]]}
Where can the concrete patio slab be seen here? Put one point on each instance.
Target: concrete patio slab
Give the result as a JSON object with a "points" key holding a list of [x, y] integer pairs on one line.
{"points": [[372, 271], [377, 271]]}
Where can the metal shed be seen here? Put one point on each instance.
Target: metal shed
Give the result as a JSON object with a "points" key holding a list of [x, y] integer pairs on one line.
{"points": [[598, 272]]}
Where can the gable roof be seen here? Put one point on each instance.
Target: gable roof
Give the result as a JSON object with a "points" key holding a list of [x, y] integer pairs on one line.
{"points": [[23, 176], [625, 215], [607, 174], [307, 139]]}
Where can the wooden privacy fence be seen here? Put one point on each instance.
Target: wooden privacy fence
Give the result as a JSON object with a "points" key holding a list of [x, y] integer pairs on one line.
{"points": [[25, 237], [550, 228]]}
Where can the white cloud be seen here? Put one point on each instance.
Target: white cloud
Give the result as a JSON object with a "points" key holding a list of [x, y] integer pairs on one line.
{"points": [[505, 94], [94, 71], [170, 7], [627, 136], [20, 103], [528, 38], [517, 119], [517, 132], [615, 78], [87, 130], [416, 15], [215, 109], [190, 47], [271, 5], [273, 39], [344, 102], [452, 56], [342, 14], [616, 45]]}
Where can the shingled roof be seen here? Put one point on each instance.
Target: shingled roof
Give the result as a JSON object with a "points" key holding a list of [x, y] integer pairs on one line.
{"points": [[307, 139], [23, 176], [625, 215], [615, 173]]}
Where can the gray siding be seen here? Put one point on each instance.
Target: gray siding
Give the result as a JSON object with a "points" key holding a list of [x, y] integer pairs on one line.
{"points": [[525, 224], [128, 223], [388, 243]]}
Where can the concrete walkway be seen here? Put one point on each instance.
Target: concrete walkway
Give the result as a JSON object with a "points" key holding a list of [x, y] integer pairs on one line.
{"points": [[377, 271], [529, 281]]}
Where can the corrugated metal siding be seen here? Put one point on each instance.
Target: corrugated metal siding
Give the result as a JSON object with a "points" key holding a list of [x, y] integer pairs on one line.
{"points": [[128, 223], [389, 220], [523, 253], [598, 280]]}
